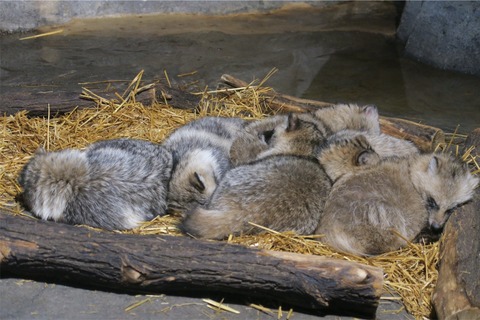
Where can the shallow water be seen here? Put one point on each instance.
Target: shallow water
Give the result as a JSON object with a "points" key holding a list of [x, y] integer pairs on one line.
{"points": [[340, 53]]}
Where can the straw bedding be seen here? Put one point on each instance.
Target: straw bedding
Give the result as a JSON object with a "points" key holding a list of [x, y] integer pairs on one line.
{"points": [[411, 272]]}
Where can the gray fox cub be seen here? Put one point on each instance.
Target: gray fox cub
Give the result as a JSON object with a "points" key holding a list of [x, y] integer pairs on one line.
{"points": [[255, 141], [113, 184], [403, 194], [200, 152], [279, 192]]}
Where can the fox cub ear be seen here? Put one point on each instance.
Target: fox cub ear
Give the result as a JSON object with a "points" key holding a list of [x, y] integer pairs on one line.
{"points": [[40, 150], [433, 165], [367, 157], [266, 136], [293, 122], [371, 111], [198, 182]]}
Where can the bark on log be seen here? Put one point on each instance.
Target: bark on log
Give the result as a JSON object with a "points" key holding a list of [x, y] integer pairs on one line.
{"points": [[457, 293], [61, 101], [426, 138], [473, 139], [30, 247], [36, 102]]}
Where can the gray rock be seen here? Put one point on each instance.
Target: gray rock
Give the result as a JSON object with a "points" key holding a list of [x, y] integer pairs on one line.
{"points": [[443, 34]]}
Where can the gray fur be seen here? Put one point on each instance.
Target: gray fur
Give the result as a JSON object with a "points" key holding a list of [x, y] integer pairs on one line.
{"points": [[384, 145], [200, 154], [254, 139], [113, 184], [388, 146], [299, 134], [350, 116], [296, 133], [347, 152], [252, 144], [402, 194], [279, 192]]}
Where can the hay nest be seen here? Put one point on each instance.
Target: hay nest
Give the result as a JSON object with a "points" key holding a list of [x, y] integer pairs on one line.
{"points": [[410, 273]]}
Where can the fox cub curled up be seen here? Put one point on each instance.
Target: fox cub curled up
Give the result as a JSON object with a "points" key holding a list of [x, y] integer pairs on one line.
{"points": [[364, 211], [278, 192], [200, 156], [113, 184]]}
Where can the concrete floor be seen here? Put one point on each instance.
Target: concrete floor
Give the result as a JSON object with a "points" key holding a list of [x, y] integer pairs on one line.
{"points": [[27, 299]]}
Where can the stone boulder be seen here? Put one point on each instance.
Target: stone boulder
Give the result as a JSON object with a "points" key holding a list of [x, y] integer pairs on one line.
{"points": [[443, 34]]}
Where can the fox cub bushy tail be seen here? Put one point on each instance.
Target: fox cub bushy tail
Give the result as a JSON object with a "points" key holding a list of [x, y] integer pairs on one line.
{"points": [[113, 184]]}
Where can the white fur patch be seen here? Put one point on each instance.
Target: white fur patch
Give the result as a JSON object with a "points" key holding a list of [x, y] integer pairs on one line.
{"points": [[54, 190], [466, 188], [48, 206], [388, 146], [203, 160], [344, 242], [132, 218]]}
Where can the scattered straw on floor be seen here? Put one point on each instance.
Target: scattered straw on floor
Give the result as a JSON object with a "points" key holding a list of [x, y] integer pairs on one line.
{"points": [[410, 272]]}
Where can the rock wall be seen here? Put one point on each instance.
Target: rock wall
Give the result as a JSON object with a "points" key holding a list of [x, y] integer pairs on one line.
{"points": [[22, 15], [445, 34]]}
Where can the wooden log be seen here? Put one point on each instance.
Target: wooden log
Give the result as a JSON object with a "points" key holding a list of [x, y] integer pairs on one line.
{"points": [[473, 140], [425, 137], [457, 293], [173, 96], [37, 102], [61, 101], [31, 247]]}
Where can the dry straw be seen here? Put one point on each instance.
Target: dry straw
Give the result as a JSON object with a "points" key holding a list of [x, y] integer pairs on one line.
{"points": [[411, 273]]}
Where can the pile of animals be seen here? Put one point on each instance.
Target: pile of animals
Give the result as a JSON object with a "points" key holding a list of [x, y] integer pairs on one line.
{"points": [[331, 172]]}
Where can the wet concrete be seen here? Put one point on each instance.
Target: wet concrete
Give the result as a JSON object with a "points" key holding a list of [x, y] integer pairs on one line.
{"points": [[340, 53]]}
